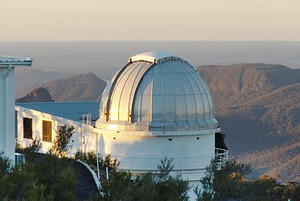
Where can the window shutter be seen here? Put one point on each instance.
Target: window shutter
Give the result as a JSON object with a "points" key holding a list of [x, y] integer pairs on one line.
{"points": [[47, 131]]}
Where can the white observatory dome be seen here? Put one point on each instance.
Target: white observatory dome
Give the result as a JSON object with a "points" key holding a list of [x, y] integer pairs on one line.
{"points": [[156, 91]]}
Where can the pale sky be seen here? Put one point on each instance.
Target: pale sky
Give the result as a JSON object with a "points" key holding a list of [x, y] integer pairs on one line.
{"points": [[81, 20]]}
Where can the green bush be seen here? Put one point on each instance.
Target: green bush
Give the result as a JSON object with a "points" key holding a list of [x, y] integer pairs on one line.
{"points": [[41, 178], [229, 183]]}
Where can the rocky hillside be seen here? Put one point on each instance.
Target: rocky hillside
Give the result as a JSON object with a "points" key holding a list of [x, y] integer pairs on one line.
{"points": [[28, 79], [258, 107], [81, 87], [37, 95], [279, 162], [234, 84]]}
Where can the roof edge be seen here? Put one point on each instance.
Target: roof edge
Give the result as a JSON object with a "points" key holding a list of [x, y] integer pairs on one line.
{"points": [[154, 57], [6, 61]]}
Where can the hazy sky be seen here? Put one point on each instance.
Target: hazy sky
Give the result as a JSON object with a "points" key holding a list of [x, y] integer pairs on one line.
{"points": [[149, 20]]}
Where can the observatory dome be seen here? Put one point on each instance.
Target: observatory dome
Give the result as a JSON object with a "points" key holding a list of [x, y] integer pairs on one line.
{"points": [[156, 91]]}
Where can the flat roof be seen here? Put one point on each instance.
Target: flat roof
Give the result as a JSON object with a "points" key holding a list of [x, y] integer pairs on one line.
{"points": [[6, 61], [67, 110]]}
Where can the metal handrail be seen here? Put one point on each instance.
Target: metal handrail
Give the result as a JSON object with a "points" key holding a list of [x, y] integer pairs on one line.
{"points": [[221, 156], [94, 175]]}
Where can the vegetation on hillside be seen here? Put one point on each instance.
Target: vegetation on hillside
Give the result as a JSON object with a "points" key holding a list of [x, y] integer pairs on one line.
{"points": [[230, 183], [275, 162]]}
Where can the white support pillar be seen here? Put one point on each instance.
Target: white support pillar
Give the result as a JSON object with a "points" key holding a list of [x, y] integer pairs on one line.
{"points": [[7, 104], [7, 117]]}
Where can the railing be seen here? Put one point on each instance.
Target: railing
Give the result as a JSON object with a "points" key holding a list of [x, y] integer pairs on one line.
{"points": [[96, 179], [221, 156], [19, 159]]}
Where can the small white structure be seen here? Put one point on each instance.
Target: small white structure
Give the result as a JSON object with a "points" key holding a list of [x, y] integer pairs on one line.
{"points": [[7, 102]]}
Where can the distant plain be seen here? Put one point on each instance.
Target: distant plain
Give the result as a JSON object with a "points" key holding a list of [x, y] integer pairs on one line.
{"points": [[105, 58]]}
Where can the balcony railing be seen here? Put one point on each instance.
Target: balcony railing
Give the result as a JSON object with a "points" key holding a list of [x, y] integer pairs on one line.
{"points": [[221, 156]]}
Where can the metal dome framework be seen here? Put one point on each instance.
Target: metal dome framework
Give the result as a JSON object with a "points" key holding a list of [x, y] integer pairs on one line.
{"points": [[156, 91]]}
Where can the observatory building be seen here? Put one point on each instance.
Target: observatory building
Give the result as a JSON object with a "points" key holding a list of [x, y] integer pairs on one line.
{"points": [[157, 106]]}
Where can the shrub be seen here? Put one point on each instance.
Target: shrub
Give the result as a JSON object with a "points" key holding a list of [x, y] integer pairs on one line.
{"points": [[62, 139]]}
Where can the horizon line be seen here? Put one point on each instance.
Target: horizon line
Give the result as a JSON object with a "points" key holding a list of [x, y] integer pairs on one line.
{"points": [[148, 41]]}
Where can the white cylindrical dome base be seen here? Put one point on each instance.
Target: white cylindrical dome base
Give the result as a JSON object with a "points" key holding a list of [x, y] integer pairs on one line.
{"points": [[138, 153]]}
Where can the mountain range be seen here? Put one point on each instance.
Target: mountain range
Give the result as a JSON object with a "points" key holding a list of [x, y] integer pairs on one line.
{"points": [[258, 108]]}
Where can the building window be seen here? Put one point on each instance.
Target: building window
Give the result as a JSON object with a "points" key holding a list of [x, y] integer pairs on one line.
{"points": [[47, 131], [27, 128]]}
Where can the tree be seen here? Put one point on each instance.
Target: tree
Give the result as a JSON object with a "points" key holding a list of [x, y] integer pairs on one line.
{"points": [[229, 183], [4, 165], [30, 151], [19, 183], [221, 184], [165, 167], [62, 139], [43, 177]]}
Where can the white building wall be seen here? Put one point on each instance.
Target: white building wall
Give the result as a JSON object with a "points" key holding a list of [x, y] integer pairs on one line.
{"points": [[85, 142], [7, 114], [137, 153]]}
